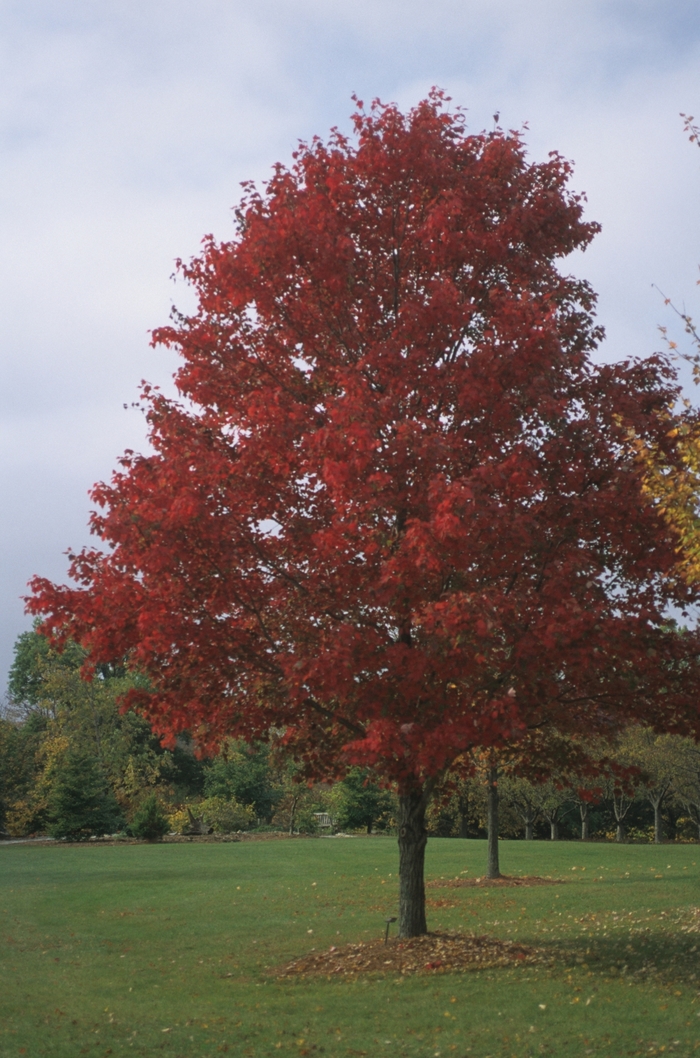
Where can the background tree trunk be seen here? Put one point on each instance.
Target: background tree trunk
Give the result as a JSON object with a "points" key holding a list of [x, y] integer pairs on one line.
{"points": [[293, 813], [413, 838], [492, 869], [656, 796], [528, 831], [554, 830], [620, 807], [585, 825], [658, 823], [463, 815]]}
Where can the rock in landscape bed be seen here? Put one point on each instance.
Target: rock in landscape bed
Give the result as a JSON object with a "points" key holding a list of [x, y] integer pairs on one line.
{"points": [[429, 954]]}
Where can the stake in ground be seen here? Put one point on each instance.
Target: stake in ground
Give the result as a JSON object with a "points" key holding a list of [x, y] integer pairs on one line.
{"points": [[401, 513], [143, 950]]}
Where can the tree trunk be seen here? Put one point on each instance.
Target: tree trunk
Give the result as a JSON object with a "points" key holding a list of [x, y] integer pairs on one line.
{"points": [[585, 827], [463, 816], [412, 841], [658, 824], [554, 830], [620, 809], [528, 831], [493, 869], [293, 814]]}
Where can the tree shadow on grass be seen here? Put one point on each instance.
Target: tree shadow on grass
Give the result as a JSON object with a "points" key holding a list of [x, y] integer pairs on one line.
{"points": [[664, 957]]}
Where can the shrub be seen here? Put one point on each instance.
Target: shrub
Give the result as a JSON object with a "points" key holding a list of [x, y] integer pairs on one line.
{"points": [[178, 818], [686, 829], [226, 816], [640, 835], [306, 821], [150, 822], [25, 816]]}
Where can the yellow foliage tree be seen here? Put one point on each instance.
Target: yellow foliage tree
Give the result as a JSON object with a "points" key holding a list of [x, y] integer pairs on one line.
{"points": [[676, 488]]}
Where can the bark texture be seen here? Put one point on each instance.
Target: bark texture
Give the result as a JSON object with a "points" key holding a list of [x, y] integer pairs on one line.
{"points": [[493, 870], [413, 838]]}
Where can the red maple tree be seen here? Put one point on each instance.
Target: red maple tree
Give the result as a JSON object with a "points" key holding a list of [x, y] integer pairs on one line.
{"points": [[397, 513]]}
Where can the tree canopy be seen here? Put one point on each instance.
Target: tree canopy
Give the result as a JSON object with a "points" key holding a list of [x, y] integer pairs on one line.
{"points": [[399, 511]]}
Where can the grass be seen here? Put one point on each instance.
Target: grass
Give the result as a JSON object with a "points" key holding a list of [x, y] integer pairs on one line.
{"points": [[142, 950]]}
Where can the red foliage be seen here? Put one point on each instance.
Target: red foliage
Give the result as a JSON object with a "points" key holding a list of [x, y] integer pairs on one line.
{"points": [[398, 513]]}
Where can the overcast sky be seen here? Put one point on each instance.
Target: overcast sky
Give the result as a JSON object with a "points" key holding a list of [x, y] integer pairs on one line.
{"points": [[126, 128]]}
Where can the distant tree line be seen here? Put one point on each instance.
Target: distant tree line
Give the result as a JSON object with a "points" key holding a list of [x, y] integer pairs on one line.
{"points": [[641, 787], [73, 765]]}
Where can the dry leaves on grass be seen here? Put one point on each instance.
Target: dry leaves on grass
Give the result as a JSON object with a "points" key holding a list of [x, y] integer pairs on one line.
{"points": [[689, 920], [496, 883], [431, 953]]}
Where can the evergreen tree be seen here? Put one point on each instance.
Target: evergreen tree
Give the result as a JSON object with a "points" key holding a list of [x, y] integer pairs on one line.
{"points": [[81, 802], [150, 821]]}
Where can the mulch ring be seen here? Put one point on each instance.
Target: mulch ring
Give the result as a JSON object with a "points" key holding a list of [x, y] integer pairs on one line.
{"points": [[431, 953], [495, 883]]}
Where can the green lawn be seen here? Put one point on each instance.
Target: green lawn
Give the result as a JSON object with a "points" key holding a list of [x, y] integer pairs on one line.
{"points": [[139, 950]]}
